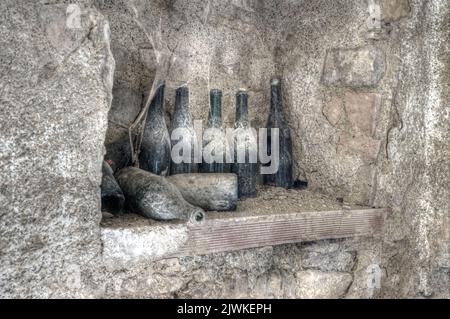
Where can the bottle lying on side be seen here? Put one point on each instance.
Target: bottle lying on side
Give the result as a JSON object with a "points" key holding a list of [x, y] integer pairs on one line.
{"points": [[154, 197], [112, 196], [212, 192]]}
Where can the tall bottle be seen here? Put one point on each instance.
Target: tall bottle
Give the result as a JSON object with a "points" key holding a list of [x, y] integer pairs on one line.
{"points": [[245, 149], [185, 134], [155, 150], [283, 178], [214, 140]]}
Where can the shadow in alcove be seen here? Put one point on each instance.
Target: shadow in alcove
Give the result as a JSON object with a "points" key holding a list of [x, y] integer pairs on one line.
{"points": [[299, 184]]}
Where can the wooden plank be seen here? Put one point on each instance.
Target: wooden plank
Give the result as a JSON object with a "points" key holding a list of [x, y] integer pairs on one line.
{"points": [[243, 232]]}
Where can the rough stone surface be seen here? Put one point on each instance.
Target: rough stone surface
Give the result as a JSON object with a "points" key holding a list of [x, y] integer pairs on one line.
{"points": [[319, 285], [326, 256], [414, 175], [361, 110], [130, 242], [393, 10], [362, 67], [55, 88]]}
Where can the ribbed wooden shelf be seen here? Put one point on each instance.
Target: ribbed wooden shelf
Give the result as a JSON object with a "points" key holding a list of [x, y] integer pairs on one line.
{"points": [[230, 234]]}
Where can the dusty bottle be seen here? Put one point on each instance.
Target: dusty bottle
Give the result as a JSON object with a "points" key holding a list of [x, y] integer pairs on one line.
{"points": [[214, 139], [212, 192], [182, 125], [112, 196], [118, 155], [154, 197], [245, 149], [155, 149], [283, 177]]}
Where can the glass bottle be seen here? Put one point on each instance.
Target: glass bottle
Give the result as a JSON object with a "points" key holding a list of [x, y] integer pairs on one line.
{"points": [[284, 176], [214, 139], [185, 136], [245, 149], [155, 155], [154, 197]]}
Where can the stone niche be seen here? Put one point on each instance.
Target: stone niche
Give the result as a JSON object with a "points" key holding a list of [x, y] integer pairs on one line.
{"points": [[365, 86]]}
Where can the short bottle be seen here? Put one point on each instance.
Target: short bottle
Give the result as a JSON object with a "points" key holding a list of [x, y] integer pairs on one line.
{"points": [[183, 135], [245, 149], [284, 176], [215, 144], [155, 155], [118, 155], [212, 192]]}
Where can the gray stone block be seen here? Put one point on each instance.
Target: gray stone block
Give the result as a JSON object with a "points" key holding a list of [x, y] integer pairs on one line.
{"points": [[361, 67]]}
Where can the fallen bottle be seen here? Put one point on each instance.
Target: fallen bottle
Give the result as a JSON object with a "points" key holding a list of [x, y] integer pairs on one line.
{"points": [[155, 197], [212, 192], [118, 155], [112, 196]]}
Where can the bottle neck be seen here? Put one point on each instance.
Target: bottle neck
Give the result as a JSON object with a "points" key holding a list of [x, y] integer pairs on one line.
{"points": [[157, 105], [276, 102], [182, 115], [216, 107], [242, 108], [182, 99]]}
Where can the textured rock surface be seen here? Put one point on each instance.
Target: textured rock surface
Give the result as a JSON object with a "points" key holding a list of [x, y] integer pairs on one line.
{"points": [[414, 176], [271, 272], [56, 81], [129, 243], [319, 285], [362, 67], [326, 256], [393, 10]]}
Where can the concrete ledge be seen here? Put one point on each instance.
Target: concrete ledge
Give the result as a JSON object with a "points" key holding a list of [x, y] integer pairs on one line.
{"points": [[131, 240]]}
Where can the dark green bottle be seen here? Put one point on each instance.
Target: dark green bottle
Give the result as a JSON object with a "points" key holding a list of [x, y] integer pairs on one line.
{"points": [[155, 155], [182, 119], [284, 176], [245, 143], [214, 136]]}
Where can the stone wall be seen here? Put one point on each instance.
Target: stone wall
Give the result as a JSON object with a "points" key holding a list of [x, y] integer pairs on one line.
{"points": [[328, 269], [56, 89], [414, 176]]}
